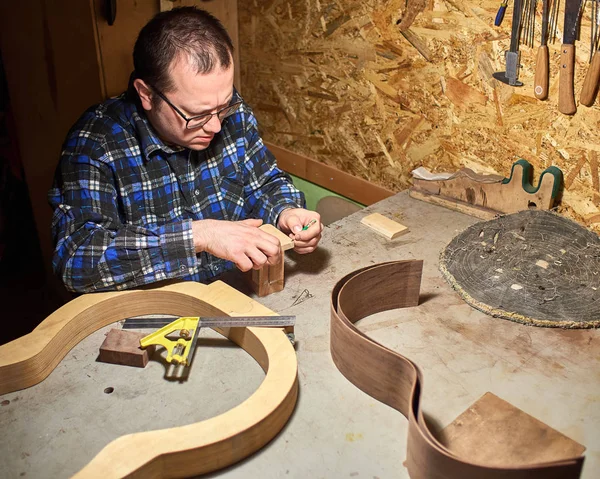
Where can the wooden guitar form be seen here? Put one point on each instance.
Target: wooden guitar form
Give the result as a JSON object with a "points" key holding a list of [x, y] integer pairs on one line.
{"points": [[396, 381], [180, 451], [486, 196]]}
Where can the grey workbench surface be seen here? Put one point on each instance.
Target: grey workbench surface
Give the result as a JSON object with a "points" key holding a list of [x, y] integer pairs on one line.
{"points": [[57, 426]]}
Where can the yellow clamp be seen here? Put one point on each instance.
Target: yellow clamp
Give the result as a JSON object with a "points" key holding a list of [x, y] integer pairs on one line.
{"points": [[178, 350]]}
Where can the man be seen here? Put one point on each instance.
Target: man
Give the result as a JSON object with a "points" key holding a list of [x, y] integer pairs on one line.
{"points": [[171, 179]]}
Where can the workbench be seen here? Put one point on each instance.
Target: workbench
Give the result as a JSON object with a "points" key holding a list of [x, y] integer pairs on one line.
{"points": [[54, 428]]}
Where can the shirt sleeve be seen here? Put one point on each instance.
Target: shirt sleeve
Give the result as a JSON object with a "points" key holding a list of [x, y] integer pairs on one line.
{"points": [[267, 189], [94, 250]]}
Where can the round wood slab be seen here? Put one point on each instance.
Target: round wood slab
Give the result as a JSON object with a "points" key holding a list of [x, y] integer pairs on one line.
{"points": [[532, 267]]}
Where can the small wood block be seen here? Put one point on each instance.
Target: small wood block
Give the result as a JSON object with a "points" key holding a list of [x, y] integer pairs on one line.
{"points": [[496, 433], [123, 347], [269, 279], [384, 226], [285, 240]]}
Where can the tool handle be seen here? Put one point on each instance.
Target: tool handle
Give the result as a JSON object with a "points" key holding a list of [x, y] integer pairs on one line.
{"points": [[500, 14], [566, 92], [542, 66], [590, 84]]}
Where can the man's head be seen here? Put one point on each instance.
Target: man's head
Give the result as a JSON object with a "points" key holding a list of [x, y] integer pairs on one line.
{"points": [[183, 60]]}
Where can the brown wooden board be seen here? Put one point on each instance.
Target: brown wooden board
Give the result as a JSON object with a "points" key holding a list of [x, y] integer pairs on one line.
{"points": [[493, 431], [335, 180], [396, 381]]}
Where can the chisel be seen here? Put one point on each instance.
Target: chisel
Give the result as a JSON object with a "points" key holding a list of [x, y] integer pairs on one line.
{"points": [[566, 92], [592, 77], [542, 64]]}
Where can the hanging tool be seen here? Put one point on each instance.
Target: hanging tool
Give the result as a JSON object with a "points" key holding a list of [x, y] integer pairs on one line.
{"points": [[566, 92], [542, 64], [528, 21], [180, 349], [511, 75], [592, 77], [501, 12], [553, 29]]}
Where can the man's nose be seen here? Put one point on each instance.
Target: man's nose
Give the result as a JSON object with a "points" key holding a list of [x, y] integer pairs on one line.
{"points": [[213, 125]]}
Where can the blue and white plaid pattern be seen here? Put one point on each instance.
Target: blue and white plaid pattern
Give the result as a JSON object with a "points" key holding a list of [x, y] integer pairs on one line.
{"points": [[124, 201]]}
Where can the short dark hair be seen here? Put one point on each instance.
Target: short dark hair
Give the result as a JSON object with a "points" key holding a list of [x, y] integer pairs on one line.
{"points": [[183, 30]]}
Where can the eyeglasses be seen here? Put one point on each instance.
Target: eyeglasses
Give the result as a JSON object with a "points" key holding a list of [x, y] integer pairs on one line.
{"points": [[201, 120]]}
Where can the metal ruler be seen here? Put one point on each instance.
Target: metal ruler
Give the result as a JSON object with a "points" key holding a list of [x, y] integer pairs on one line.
{"points": [[215, 322]]}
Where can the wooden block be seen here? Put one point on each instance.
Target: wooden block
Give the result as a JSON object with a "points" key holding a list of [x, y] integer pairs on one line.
{"points": [[384, 226], [269, 279], [123, 347], [285, 240], [496, 433]]}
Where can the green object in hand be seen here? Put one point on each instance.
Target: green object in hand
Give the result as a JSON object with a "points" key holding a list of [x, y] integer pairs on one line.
{"points": [[310, 223]]}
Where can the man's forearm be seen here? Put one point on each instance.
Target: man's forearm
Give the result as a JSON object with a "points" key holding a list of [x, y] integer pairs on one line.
{"points": [[101, 259]]}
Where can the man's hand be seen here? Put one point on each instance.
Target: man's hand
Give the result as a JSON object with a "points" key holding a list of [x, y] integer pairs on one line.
{"points": [[241, 242], [293, 220]]}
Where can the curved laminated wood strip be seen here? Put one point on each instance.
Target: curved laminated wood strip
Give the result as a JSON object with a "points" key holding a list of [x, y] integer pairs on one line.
{"points": [[396, 381], [180, 451]]}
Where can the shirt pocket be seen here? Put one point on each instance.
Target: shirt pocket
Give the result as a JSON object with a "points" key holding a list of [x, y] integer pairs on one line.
{"points": [[231, 186]]}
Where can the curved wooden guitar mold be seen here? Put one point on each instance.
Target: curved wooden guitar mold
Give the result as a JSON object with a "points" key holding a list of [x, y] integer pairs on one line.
{"points": [[486, 196], [396, 381], [181, 451]]}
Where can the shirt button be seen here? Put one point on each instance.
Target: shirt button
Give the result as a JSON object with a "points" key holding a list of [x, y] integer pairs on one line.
{"points": [[196, 192]]}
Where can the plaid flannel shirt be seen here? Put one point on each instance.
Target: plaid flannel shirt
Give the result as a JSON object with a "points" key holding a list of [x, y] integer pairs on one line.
{"points": [[124, 201]]}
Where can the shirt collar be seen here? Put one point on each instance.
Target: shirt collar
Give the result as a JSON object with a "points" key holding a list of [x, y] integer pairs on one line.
{"points": [[149, 141]]}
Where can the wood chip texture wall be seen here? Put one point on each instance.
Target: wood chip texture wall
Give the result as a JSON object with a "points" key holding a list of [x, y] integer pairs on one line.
{"points": [[336, 80]]}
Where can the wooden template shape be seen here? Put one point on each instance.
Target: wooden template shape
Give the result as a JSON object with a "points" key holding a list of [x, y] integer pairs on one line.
{"points": [[485, 196], [180, 451], [123, 347], [384, 226], [396, 381]]}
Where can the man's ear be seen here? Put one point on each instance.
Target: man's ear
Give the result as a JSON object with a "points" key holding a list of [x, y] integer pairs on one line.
{"points": [[145, 93]]}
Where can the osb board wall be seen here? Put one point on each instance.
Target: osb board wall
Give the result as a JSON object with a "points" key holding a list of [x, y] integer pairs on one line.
{"points": [[337, 81]]}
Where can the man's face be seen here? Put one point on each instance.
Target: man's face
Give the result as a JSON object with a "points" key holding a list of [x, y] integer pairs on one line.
{"points": [[193, 94]]}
